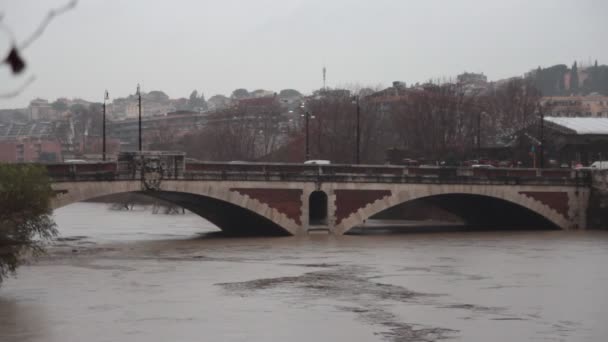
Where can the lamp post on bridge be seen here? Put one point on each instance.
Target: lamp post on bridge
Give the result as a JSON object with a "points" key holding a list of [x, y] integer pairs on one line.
{"points": [[307, 116], [541, 147], [139, 116], [479, 115], [478, 132], [358, 131], [106, 96]]}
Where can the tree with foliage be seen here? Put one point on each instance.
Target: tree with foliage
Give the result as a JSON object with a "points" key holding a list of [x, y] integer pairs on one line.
{"points": [[79, 108], [25, 214], [574, 78], [240, 93], [289, 93], [157, 95], [202, 102], [59, 106], [195, 102], [218, 102], [550, 81]]}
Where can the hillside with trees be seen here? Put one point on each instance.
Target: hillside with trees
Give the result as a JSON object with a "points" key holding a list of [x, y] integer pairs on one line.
{"points": [[559, 80]]}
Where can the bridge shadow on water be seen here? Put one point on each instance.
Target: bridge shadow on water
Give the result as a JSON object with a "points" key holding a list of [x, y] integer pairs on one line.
{"points": [[433, 214], [430, 227], [230, 219]]}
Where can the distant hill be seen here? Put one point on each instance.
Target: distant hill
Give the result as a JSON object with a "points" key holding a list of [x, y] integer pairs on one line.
{"points": [[559, 80]]}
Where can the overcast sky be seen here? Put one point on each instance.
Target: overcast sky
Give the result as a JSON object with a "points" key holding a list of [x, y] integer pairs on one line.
{"points": [[216, 46]]}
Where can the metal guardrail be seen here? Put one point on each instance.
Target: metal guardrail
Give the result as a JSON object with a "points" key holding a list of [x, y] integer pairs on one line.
{"points": [[581, 181], [130, 168]]}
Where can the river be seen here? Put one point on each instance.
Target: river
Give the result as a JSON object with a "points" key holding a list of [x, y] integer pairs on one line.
{"points": [[135, 276]]}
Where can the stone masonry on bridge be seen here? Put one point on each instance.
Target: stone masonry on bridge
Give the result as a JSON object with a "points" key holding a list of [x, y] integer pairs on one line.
{"points": [[597, 212], [293, 207]]}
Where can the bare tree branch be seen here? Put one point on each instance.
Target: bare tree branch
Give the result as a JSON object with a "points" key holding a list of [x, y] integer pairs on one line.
{"points": [[18, 91], [46, 21], [7, 29], [25, 44]]}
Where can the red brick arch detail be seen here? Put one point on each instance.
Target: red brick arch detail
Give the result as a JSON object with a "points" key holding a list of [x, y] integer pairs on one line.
{"points": [[286, 201], [557, 201], [349, 201]]}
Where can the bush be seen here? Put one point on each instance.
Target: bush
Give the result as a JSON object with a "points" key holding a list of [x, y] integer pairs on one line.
{"points": [[25, 214]]}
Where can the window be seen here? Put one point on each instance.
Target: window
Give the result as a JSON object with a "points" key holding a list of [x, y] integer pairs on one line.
{"points": [[19, 149]]}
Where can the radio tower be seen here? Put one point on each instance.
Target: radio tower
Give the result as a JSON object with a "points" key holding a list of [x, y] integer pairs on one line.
{"points": [[324, 74]]}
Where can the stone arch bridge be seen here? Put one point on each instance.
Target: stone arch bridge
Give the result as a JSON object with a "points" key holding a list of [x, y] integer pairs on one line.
{"points": [[252, 198]]}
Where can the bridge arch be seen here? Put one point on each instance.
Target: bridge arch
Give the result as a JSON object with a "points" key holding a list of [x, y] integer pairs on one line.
{"points": [[231, 210], [403, 195]]}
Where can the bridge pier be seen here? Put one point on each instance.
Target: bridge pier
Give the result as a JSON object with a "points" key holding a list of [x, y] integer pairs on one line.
{"points": [[598, 203]]}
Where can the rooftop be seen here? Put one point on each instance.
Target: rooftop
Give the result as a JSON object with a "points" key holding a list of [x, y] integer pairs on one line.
{"points": [[581, 125]]}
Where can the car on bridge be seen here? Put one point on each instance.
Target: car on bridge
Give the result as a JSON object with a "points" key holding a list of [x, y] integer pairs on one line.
{"points": [[599, 165], [482, 166], [317, 162]]}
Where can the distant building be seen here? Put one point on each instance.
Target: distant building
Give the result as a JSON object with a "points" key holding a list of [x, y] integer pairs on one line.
{"points": [[583, 140], [566, 140], [593, 106], [174, 125], [259, 105], [154, 103], [30, 150], [399, 85], [583, 75], [31, 129], [328, 92], [218, 102], [262, 93], [471, 84], [40, 109], [290, 99], [472, 78]]}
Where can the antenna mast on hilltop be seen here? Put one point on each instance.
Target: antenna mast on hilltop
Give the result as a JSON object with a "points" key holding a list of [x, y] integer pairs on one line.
{"points": [[324, 78]]}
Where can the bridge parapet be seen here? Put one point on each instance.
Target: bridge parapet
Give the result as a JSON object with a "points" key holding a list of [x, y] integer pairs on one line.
{"points": [[277, 172]]}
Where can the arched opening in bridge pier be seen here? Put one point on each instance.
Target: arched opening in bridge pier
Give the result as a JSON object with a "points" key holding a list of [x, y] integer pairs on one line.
{"points": [[455, 212], [317, 208]]}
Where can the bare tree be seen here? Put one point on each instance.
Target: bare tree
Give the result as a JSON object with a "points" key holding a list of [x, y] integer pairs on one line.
{"points": [[13, 57], [242, 132]]}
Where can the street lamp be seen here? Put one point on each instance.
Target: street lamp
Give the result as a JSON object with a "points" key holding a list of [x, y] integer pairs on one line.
{"points": [[541, 150], [307, 116], [357, 146], [478, 142], [106, 96], [479, 114], [139, 118]]}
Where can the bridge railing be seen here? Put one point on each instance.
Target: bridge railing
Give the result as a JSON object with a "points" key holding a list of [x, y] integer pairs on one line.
{"points": [[110, 171]]}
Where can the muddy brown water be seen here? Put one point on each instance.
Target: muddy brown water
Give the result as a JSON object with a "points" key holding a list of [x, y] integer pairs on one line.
{"points": [[135, 276]]}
